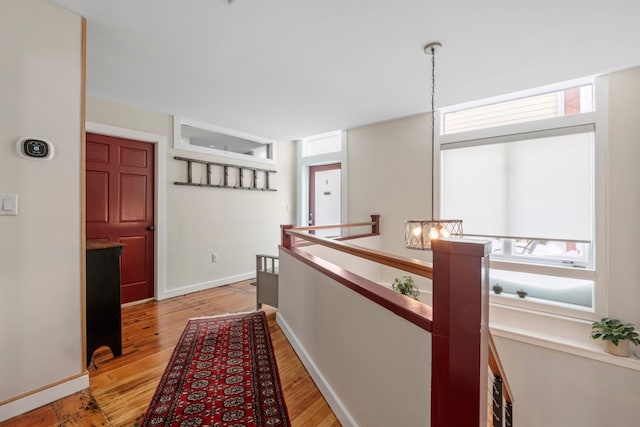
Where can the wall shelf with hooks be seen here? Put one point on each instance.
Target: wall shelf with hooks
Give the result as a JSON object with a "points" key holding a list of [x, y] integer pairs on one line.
{"points": [[222, 175]]}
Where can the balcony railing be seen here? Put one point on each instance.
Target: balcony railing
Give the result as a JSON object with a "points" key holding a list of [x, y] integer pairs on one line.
{"points": [[461, 340]]}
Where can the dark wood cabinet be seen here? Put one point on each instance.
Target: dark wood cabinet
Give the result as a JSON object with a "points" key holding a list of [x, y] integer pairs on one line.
{"points": [[103, 297]]}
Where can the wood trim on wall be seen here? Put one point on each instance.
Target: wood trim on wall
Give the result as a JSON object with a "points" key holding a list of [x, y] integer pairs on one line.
{"points": [[406, 264], [44, 388], [83, 198]]}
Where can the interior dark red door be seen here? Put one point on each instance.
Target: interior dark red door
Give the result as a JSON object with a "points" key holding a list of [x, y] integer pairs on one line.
{"points": [[120, 193]]}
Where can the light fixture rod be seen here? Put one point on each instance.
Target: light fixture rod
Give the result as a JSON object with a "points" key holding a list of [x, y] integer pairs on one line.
{"points": [[420, 233], [431, 49]]}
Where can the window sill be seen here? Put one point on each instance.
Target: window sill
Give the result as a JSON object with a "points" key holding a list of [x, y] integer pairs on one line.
{"points": [[561, 295], [531, 327], [543, 306], [572, 337]]}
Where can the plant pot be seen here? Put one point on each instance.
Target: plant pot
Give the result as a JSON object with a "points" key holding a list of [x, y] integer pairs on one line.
{"points": [[622, 349]]}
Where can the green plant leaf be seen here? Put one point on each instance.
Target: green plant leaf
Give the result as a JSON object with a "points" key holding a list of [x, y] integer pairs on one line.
{"points": [[614, 330]]}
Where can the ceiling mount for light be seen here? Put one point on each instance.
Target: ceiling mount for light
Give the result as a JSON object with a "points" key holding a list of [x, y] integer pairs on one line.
{"points": [[419, 233], [431, 48]]}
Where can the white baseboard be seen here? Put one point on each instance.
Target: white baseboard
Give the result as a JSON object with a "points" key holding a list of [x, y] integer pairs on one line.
{"points": [[170, 293], [332, 399], [43, 397]]}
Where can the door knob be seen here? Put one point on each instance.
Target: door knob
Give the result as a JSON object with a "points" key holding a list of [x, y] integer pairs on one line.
{"points": [[150, 227]]}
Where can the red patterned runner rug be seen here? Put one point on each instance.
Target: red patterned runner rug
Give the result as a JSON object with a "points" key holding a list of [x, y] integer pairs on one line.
{"points": [[222, 373]]}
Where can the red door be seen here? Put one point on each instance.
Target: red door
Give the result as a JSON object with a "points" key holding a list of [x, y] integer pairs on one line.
{"points": [[120, 191]]}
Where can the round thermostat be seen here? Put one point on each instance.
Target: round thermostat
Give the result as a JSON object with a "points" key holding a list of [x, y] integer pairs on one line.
{"points": [[34, 149]]}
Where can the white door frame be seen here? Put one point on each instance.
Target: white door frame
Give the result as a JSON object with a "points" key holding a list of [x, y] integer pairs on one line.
{"points": [[303, 179], [160, 201]]}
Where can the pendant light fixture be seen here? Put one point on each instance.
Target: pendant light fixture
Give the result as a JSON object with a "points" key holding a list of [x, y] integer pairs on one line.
{"points": [[418, 233]]}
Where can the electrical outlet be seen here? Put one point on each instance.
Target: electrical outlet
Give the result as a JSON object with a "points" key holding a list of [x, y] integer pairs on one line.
{"points": [[214, 257]]}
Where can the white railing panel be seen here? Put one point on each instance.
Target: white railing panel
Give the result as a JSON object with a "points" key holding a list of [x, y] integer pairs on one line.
{"points": [[362, 356]]}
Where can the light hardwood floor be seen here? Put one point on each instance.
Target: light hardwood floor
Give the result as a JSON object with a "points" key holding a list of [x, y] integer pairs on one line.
{"points": [[121, 388]]}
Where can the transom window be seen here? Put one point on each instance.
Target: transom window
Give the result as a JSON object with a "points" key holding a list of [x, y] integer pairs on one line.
{"points": [[322, 144], [203, 138], [558, 103]]}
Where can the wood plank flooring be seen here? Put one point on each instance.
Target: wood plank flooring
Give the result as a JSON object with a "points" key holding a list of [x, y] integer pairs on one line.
{"points": [[123, 387]]}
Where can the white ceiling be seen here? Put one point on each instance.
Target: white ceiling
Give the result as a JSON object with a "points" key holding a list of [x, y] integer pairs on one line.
{"points": [[283, 69]]}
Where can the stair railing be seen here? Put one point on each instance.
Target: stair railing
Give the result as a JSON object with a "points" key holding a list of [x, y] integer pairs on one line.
{"points": [[460, 276], [502, 401]]}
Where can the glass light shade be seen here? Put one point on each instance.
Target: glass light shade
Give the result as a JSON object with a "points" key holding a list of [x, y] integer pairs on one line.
{"points": [[418, 233]]}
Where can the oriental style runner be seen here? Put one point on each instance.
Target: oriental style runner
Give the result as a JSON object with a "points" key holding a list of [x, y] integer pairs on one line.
{"points": [[222, 373]]}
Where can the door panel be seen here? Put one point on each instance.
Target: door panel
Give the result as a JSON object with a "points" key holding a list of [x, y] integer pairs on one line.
{"points": [[120, 200], [133, 195], [133, 157], [98, 187], [97, 153]]}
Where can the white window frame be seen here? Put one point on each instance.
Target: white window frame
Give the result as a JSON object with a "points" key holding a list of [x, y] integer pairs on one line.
{"points": [[180, 144], [598, 274], [304, 162]]}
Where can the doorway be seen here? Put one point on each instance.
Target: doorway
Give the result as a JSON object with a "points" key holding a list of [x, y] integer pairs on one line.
{"points": [[324, 197], [120, 207]]}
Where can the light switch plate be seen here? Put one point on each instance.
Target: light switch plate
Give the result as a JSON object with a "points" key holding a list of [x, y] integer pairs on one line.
{"points": [[8, 204]]}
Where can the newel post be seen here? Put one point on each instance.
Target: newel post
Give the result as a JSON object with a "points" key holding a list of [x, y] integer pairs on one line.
{"points": [[459, 336], [285, 239], [375, 228]]}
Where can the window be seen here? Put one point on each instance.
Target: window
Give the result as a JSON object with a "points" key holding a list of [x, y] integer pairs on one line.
{"points": [[202, 138], [559, 103], [533, 189], [322, 144], [522, 172], [537, 251]]}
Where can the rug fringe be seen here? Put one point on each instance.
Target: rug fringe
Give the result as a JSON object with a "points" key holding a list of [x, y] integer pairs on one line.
{"points": [[224, 315]]}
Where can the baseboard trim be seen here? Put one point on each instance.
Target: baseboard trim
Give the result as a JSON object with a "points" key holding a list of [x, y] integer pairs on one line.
{"points": [[45, 395], [170, 293], [326, 390]]}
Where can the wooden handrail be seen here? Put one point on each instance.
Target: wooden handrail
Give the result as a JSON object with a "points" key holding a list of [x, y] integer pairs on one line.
{"points": [[406, 264], [325, 227], [466, 257], [496, 368]]}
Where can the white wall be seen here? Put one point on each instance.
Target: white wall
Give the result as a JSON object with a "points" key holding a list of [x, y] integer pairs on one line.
{"points": [[40, 284], [360, 266], [373, 367], [556, 389], [390, 175], [235, 224], [623, 191]]}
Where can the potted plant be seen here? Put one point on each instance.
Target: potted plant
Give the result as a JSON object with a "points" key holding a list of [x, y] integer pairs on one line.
{"points": [[615, 335], [405, 286]]}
